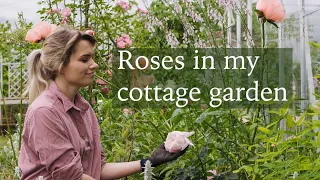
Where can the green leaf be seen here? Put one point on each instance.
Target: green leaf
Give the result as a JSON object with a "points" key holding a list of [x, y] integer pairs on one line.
{"points": [[289, 121], [274, 112], [316, 45], [233, 176], [318, 140], [264, 130], [175, 113], [201, 117], [302, 118]]}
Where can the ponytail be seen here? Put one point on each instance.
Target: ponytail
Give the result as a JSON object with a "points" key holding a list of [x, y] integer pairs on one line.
{"points": [[37, 81]]}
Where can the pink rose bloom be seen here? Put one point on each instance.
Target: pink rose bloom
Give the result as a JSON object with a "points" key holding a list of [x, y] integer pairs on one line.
{"points": [[109, 73], [177, 141], [66, 12], [143, 11], [125, 36], [90, 32], [33, 36], [120, 39], [121, 44], [53, 27], [128, 41], [272, 10], [124, 5], [214, 172], [101, 81], [105, 90], [43, 28], [124, 41], [110, 59], [64, 20], [55, 10], [127, 111]]}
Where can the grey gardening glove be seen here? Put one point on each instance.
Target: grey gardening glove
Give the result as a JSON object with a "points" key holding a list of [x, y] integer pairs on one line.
{"points": [[161, 156]]}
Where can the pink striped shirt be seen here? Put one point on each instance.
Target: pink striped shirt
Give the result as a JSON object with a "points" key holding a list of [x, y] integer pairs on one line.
{"points": [[60, 139]]}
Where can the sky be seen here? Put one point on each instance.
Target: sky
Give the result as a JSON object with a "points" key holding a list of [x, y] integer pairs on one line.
{"points": [[10, 8]]}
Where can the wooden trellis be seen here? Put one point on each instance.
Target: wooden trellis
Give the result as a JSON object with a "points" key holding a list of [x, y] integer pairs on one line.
{"points": [[10, 79]]}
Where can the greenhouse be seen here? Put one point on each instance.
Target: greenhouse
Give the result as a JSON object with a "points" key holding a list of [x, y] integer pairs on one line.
{"points": [[168, 89]]}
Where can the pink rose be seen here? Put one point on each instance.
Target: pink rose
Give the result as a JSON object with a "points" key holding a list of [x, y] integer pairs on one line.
{"points": [[64, 20], [127, 111], [143, 11], [109, 73], [105, 90], [124, 5], [33, 36], [121, 44], [110, 59], [55, 10], [125, 36], [177, 141], [43, 28], [272, 10], [66, 12], [40, 31], [101, 81], [124, 41], [128, 41], [90, 32], [214, 172]]}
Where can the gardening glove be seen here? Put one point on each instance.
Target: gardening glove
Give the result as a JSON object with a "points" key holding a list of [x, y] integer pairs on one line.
{"points": [[161, 156]]}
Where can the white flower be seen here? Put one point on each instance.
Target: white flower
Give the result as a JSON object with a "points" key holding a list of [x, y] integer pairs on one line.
{"points": [[148, 170], [17, 172], [295, 175]]}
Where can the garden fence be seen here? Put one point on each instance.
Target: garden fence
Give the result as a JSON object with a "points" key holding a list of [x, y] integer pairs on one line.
{"points": [[11, 76]]}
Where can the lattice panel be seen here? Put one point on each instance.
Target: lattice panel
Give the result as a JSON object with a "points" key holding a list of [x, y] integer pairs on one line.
{"points": [[14, 80]]}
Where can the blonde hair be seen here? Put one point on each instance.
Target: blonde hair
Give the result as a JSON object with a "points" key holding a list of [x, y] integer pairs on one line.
{"points": [[45, 63]]}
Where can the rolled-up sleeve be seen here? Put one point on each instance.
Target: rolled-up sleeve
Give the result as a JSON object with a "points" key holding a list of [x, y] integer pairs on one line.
{"points": [[50, 141]]}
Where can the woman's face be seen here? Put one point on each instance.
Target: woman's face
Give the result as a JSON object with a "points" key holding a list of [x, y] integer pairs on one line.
{"points": [[80, 70]]}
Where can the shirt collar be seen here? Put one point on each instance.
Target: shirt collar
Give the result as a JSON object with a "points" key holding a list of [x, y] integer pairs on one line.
{"points": [[80, 103]]}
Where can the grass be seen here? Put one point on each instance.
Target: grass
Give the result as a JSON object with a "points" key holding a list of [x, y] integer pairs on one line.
{"points": [[3, 141]]}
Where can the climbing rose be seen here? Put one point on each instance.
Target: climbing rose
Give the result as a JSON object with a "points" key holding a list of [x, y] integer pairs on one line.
{"points": [[124, 5], [40, 31], [66, 12], [143, 11]]}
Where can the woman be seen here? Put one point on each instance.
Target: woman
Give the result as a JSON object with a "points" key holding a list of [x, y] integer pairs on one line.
{"points": [[61, 136]]}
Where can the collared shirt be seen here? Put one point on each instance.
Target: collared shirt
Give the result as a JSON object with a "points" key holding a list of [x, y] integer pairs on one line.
{"points": [[60, 139]]}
